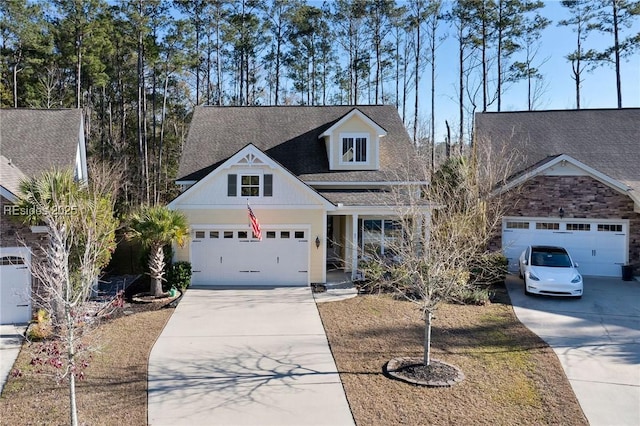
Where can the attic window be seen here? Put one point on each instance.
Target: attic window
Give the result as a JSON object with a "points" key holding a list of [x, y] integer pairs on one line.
{"points": [[250, 185], [354, 148]]}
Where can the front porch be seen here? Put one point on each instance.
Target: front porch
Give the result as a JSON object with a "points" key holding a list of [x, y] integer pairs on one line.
{"points": [[349, 237]]}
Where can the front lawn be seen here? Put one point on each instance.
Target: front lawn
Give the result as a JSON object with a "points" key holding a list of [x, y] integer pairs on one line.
{"points": [[114, 391], [512, 376]]}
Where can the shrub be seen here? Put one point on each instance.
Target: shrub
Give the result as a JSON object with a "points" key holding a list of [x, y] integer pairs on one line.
{"points": [[180, 275], [376, 277], [489, 269], [40, 328], [473, 296]]}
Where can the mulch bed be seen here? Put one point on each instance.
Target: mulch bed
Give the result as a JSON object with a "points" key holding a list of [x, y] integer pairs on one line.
{"points": [[414, 371]]}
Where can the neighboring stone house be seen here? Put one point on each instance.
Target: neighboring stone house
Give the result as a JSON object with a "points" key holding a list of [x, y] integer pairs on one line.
{"points": [[31, 142], [318, 179], [577, 183]]}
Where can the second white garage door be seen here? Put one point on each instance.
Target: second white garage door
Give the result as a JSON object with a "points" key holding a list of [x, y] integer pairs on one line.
{"points": [[598, 246], [15, 285], [228, 257]]}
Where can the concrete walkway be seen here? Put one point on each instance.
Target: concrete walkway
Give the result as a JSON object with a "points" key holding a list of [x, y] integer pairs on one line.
{"points": [[245, 357], [11, 338], [597, 340]]}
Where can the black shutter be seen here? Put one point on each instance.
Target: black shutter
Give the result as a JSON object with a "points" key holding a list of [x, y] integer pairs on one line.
{"points": [[232, 185], [268, 185]]}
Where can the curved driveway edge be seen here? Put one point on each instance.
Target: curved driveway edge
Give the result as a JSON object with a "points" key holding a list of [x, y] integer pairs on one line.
{"points": [[596, 339], [245, 357]]}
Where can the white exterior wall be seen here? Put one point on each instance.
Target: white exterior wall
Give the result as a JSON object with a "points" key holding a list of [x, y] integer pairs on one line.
{"points": [[293, 204], [354, 124]]}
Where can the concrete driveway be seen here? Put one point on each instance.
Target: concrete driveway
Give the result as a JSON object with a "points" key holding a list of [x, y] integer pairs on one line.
{"points": [[597, 340], [245, 357]]}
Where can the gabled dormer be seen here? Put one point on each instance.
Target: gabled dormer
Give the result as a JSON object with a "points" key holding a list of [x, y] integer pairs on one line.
{"points": [[353, 142]]}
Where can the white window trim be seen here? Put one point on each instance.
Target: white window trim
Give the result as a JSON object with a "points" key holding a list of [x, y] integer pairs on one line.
{"points": [[260, 184], [354, 135]]}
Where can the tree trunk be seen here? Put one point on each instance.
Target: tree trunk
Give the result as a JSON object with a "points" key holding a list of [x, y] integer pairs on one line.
{"points": [[156, 268], [78, 71], [427, 338], [616, 51], [484, 58], [15, 84], [461, 94], [73, 408], [417, 84]]}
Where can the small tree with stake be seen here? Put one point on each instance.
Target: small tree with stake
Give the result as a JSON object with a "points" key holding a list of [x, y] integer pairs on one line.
{"points": [[431, 263], [81, 237]]}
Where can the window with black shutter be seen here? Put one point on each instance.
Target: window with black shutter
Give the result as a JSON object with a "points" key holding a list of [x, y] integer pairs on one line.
{"points": [[232, 185], [268, 185]]}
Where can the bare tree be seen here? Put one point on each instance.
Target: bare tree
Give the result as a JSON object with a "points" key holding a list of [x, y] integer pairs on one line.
{"points": [[81, 236], [446, 229]]}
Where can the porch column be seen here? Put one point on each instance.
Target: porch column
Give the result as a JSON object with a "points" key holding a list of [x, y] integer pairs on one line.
{"points": [[354, 245]]}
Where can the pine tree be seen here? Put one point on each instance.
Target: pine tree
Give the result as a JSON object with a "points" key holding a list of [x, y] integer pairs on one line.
{"points": [[582, 13]]}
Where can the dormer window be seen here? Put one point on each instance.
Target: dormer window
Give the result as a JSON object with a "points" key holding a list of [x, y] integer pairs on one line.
{"points": [[354, 148]]}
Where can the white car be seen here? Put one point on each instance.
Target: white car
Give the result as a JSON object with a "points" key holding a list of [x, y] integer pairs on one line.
{"points": [[550, 271]]}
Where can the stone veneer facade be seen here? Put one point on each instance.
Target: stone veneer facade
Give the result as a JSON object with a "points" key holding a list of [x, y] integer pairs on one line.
{"points": [[579, 197], [15, 234], [12, 232]]}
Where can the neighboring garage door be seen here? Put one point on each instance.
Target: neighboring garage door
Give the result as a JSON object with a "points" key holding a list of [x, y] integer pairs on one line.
{"points": [[15, 286], [599, 247], [231, 257]]}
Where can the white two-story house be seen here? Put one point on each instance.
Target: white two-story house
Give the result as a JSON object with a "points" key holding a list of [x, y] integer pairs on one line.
{"points": [[319, 180]]}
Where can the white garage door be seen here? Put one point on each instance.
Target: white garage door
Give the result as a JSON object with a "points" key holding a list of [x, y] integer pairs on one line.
{"points": [[599, 247], [232, 257], [15, 285]]}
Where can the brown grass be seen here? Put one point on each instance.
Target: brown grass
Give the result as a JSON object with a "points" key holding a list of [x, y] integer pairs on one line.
{"points": [[115, 388], [512, 377]]}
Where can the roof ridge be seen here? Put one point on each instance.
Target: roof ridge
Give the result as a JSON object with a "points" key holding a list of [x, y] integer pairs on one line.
{"points": [[581, 110]]}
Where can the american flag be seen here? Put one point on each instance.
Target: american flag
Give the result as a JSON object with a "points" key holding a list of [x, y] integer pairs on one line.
{"points": [[255, 225]]}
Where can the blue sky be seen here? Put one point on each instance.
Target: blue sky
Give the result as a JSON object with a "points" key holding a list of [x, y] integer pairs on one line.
{"points": [[598, 89]]}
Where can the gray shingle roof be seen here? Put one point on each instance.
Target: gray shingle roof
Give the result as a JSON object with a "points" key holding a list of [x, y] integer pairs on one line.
{"points": [[10, 176], [289, 135], [38, 140], [607, 140], [365, 197]]}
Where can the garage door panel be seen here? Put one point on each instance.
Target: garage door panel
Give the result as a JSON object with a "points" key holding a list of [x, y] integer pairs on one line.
{"points": [[278, 259], [15, 286], [599, 247]]}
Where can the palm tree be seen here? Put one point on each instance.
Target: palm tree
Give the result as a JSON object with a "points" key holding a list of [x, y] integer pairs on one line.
{"points": [[155, 227]]}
